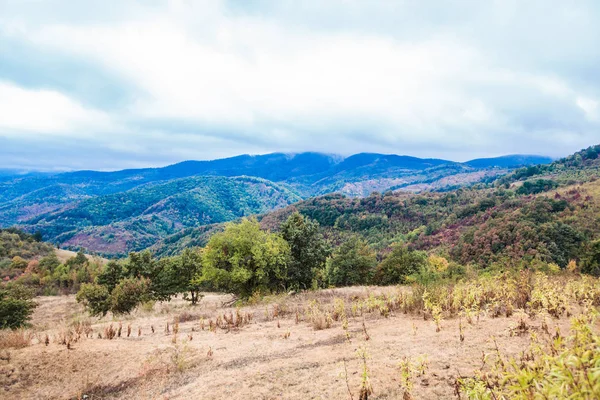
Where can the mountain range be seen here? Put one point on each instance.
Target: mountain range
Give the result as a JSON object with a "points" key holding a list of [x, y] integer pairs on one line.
{"points": [[113, 213]]}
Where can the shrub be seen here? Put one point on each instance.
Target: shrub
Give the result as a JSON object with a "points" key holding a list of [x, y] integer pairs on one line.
{"points": [[16, 307], [128, 294], [95, 298], [399, 264]]}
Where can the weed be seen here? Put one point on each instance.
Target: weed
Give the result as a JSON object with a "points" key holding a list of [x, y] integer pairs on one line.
{"points": [[364, 327], [365, 384], [15, 339]]}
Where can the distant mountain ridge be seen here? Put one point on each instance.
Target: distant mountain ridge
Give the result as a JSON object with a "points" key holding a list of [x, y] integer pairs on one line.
{"points": [[509, 161], [115, 212]]}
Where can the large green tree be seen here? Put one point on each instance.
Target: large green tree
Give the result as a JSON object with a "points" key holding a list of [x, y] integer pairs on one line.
{"points": [[352, 263], [243, 259], [308, 249]]}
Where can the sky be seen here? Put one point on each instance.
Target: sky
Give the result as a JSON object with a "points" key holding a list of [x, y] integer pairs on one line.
{"points": [[118, 84]]}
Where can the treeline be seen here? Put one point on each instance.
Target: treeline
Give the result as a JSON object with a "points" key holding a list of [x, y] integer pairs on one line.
{"points": [[23, 279], [247, 261]]}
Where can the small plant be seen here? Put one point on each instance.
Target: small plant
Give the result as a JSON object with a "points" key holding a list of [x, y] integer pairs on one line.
{"points": [[407, 372], [364, 327], [345, 374], [434, 309], [365, 383], [110, 332]]}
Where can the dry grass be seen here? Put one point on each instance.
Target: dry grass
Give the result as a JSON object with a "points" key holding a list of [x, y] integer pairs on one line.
{"points": [[16, 339], [292, 347]]}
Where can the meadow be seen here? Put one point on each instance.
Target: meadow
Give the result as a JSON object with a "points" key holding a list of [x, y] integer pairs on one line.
{"points": [[507, 335]]}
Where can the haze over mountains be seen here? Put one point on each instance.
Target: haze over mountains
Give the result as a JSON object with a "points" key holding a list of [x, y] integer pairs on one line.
{"points": [[121, 211]]}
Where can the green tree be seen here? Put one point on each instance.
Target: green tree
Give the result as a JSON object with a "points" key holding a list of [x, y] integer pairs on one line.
{"points": [[185, 268], [123, 299], [77, 261], [243, 259], [50, 262], [399, 264], [16, 306], [308, 249], [110, 276], [352, 263], [591, 259], [128, 294], [95, 298], [144, 265]]}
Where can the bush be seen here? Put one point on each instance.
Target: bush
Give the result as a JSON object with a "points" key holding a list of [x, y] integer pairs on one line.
{"points": [[16, 307], [399, 264], [124, 298], [95, 298], [128, 294]]}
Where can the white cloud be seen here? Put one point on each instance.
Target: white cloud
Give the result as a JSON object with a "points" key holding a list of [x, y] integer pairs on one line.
{"points": [[589, 107], [220, 77], [46, 112]]}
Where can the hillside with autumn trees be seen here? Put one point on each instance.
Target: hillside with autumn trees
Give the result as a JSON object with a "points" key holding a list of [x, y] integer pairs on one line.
{"points": [[543, 213]]}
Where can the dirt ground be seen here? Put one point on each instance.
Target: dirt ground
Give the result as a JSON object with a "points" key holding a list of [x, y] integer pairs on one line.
{"points": [[272, 357]]}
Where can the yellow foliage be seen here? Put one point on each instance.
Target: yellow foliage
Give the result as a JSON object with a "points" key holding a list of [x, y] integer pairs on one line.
{"points": [[438, 263]]}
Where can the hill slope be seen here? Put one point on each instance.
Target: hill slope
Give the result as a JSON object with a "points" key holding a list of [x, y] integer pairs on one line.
{"points": [[114, 212], [135, 219], [548, 212]]}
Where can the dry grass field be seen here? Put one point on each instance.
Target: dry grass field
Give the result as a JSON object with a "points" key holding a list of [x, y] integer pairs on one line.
{"points": [[282, 347]]}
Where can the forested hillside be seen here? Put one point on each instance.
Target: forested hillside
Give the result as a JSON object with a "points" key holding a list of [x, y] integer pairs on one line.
{"points": [[549, 213], [133, 220], [15, 243], [116, 212]]}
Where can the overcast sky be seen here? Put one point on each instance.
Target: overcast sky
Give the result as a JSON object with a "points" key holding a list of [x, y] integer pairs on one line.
{"points": [[115, 84]]}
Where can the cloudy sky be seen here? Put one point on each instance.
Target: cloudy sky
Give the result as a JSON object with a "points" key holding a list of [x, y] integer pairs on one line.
{"points": [[114, 84]]}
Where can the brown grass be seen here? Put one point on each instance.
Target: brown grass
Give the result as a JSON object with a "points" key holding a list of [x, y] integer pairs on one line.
{"points": [[16, 339], [251, 353]]}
